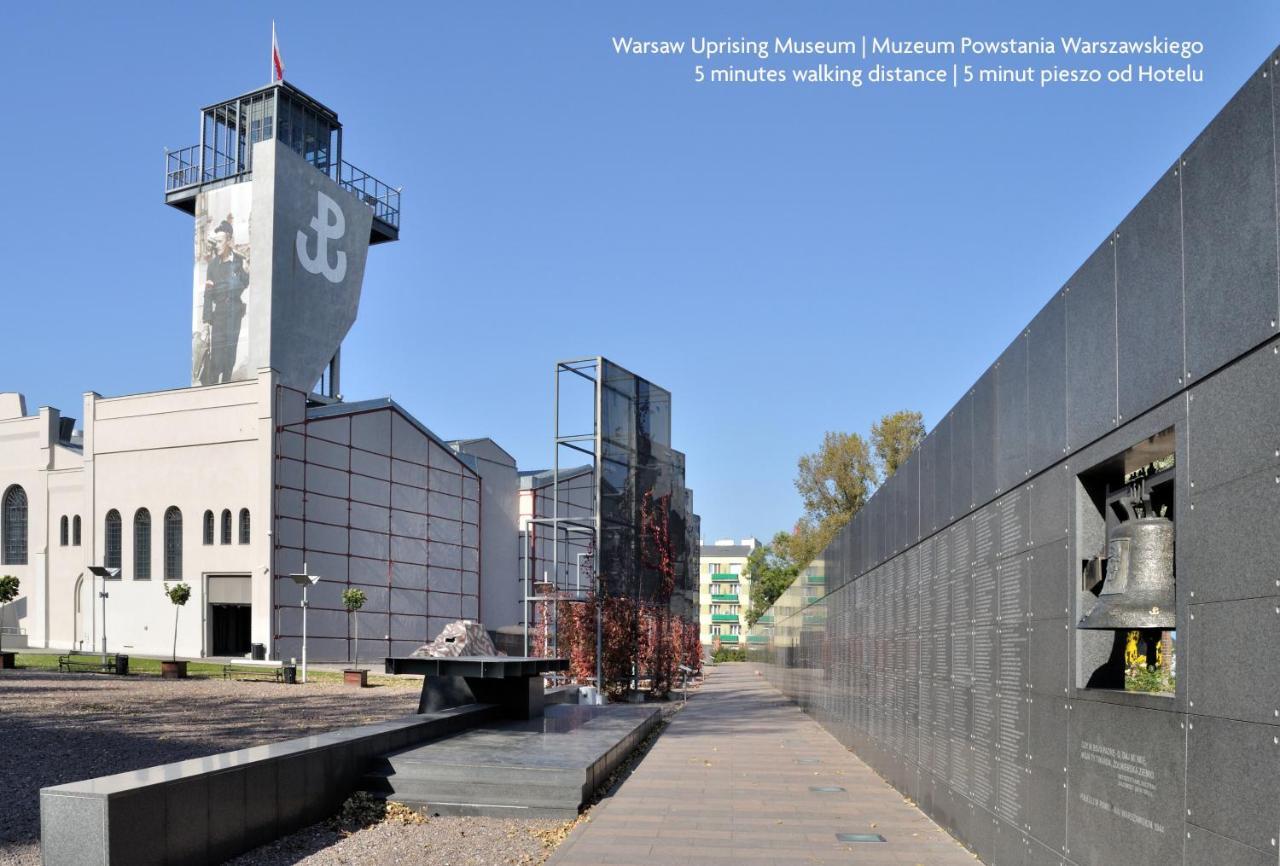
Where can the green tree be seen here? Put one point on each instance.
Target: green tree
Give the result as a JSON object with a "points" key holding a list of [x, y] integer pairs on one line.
{"points": [[894, 437], [834, 483], [8, 592], [770, 571], [837, 479], [353, 599], [179, 594]]}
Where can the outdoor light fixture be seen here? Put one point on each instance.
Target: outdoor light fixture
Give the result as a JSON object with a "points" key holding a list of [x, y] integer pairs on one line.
{"points": [[106, 574], [304, 580]]}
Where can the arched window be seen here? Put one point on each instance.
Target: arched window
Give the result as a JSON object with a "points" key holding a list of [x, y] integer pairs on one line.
{"points": [[15, 526], [111, 535], [226, 526], [208, 527], [75, 531], [62, 531], [244, 526], [142, 544], [173, 544]]}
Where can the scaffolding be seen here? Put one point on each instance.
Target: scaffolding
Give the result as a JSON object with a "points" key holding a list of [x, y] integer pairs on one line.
{"points": [[569, 530], [623, 473]]}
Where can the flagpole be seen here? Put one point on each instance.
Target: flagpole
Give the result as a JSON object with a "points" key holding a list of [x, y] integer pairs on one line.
{"points": [[271, 77]]}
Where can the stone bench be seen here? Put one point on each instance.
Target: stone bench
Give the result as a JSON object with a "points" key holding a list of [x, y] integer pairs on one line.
{"points": [[207, 810]]}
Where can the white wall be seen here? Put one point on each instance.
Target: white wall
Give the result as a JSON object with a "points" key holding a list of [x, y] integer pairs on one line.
{"points": [[27, 453], [194, 449]]}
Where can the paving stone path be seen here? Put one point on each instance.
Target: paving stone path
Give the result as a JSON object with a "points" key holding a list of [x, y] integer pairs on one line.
{"points": [[730, 782]]}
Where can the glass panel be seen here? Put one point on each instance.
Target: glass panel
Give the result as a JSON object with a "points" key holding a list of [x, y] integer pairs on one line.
{"points": [[112, 542], [142, 545]]}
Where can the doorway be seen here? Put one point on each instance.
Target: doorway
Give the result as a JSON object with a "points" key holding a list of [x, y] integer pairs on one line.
{"points": [[229, 624]]}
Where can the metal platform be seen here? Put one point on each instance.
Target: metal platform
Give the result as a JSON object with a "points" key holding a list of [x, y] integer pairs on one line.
{"points": [[487, 667], [512, 682]]}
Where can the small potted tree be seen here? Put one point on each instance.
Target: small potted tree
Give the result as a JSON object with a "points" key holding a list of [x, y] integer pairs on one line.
{"points": [[353, 599], [179, 594], [8, 592]]}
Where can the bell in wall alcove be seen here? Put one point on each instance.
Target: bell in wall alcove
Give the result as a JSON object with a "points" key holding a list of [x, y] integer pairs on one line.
{"points": [[1138, 592]]}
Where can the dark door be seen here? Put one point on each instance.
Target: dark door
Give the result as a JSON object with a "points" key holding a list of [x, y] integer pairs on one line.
{"points": [[230, 629]]}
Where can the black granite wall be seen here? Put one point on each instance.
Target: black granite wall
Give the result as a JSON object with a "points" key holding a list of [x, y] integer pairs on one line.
{"points": [[944, 649]]}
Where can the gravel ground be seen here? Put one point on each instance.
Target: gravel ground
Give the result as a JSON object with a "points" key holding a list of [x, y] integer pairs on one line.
{"points": [[444, 841], [407, 837], [58, 728]]}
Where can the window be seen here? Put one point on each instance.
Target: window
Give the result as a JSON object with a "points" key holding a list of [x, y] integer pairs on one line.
{"points": [[713, 568], [62, 531], [244, 526], [173, 544], [208, 527], [736, 568], [226, 526], [15, 526], [75, 530], [142, 544], [111, 536]]}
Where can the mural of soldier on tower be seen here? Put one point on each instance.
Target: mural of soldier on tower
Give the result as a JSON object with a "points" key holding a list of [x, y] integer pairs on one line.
{"points": [[221, 295]]}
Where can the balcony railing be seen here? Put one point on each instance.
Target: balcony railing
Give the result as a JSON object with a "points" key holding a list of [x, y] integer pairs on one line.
{"points": [[189, 166], [384, 200]]}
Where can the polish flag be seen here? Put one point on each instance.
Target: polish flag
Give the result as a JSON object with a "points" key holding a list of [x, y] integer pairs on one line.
{"points": [[277, 64]]}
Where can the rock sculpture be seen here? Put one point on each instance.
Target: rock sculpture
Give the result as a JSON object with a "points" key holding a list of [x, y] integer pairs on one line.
{"points": [[463, 637]]}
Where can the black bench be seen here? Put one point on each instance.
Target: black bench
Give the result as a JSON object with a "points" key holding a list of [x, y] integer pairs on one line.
{"points": [[253, 672], [94, 664]]}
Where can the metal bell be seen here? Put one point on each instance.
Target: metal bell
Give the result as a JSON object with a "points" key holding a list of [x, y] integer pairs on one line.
{"points": [[1138, 591]]}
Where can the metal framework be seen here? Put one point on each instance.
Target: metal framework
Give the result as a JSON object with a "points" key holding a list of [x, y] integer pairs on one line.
{"points": [[229, 129], [567, 528]]}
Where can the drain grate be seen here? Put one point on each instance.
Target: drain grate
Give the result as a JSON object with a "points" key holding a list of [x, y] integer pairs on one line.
{"points": [[859, 837], [826, 789], [807, 761]]}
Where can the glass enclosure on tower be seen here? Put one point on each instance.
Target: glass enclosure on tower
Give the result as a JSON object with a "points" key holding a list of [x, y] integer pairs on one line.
{"points": [[224, 154]]}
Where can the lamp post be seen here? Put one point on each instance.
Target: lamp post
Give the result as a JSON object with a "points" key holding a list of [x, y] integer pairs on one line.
{"points": [[106, 574], [304, 580]]}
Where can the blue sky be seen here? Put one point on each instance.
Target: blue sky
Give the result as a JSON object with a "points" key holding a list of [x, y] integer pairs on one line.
{"points": [[786, 261]]}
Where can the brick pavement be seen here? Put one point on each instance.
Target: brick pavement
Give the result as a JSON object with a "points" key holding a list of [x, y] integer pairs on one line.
{"points": [[728, 782]]}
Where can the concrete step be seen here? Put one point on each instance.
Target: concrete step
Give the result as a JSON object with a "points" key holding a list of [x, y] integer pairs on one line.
{"points": [[417, 791], [425, 769], [537, 768]]}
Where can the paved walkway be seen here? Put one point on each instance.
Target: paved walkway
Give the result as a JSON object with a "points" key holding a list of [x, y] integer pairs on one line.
{"points": [[725, 784]]}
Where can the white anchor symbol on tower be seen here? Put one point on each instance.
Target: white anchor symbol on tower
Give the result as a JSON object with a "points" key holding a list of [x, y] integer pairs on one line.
{"points": [[329, 225]]}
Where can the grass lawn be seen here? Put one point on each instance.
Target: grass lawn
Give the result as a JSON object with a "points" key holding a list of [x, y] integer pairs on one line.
{"points": [[151, 667]]}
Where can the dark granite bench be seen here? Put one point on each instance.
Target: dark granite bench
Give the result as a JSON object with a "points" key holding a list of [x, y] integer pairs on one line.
{"points": [[208, 810]]}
